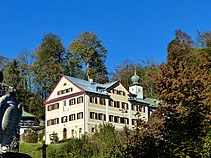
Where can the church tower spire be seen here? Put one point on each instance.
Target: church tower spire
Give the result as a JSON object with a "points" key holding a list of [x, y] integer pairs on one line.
{"points": [[136, 88], [135, 78]]}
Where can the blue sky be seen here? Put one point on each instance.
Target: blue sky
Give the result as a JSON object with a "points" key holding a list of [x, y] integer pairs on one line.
{"points": [[129, 29]]}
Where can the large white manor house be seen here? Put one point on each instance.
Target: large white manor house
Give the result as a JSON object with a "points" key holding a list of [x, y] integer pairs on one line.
{"points": [[77, 106]]}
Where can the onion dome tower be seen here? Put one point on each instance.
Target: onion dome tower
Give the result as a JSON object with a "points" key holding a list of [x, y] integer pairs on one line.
{"points": [[136, 88]]}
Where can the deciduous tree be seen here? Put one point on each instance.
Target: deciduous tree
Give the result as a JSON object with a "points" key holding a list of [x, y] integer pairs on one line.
{"points": [[88, 52]]}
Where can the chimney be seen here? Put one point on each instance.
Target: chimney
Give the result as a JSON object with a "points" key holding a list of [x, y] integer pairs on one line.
{"points": [[91, 80]]}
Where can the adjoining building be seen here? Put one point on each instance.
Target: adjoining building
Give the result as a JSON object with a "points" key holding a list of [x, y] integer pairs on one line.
{"points": [[77, 106], [30, 123]]}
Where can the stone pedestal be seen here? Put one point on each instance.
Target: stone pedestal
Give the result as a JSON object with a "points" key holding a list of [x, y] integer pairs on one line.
{"points": [[14, 155]]}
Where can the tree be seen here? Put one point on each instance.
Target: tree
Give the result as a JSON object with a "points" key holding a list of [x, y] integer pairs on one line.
{"points": [[26, 60], [48, 66], [125, 71], [147, 74], [87, 51], [181, 125], [3, 62], [180, 47], [185, 90], [54, 138], [32, 102], [12, 74], [73, 65]]}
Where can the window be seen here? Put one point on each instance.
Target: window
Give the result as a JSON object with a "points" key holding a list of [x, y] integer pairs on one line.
{"points": [[53, 106], [49, 107], [96, 100], [122, 120], [72, 132], [127, 119], [64, 102], [123, 93], [100, 89], [48, 123], [115, 91], [100, 116], [91, 99], [102, 101], [124, 105], [133, 107], [104, 117], [116, 104], [64, 119], [70, 89], [137, 108], [110, 103], [93, 129], [72, 117], [56, 106], [72, 101], [92, 115], [56, 120], [111, 118], [65, 91], [96, 116], [116, 119], [79, 100], [80, 115], [143, 109]]}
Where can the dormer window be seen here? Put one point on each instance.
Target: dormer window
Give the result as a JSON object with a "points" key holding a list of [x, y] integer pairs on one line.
{"points": [[100, 89], [64, 84]]}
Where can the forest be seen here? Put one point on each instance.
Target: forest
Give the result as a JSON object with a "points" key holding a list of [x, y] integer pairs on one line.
{"points": [[181, 125]]}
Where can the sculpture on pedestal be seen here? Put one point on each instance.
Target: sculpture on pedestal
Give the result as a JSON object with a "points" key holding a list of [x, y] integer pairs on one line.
{"points": [[10, 115]]}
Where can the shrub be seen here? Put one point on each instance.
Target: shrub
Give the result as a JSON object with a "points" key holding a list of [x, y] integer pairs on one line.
{"points": [[31, 137]]}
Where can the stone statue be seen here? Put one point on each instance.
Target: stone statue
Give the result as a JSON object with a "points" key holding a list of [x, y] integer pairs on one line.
{"points": [[10, 115]]}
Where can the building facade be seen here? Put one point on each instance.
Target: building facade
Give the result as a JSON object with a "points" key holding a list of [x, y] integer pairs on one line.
{"points": [[77, 106]]}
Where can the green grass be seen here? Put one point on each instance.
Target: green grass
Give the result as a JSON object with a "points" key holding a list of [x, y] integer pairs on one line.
{"points": [[31, 149]]}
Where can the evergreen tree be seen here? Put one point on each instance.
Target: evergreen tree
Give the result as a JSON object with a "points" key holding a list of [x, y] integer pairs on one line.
{"points": [[12, 74], [48, 66]]}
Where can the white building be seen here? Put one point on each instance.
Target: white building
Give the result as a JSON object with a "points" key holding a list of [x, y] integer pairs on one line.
{"points": [[77, 106]]}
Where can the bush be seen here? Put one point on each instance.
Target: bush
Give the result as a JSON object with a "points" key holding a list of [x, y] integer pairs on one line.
{"points": [[30, 137], [106, 142]]}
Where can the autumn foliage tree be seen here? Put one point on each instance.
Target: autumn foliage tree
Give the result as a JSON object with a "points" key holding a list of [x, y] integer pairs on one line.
{"points": [[185, 90], [181, 125]]}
